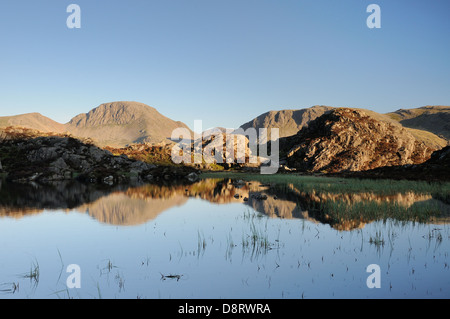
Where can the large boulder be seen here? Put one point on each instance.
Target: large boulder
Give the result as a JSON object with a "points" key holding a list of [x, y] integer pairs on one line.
{"points": [[214, 148]]}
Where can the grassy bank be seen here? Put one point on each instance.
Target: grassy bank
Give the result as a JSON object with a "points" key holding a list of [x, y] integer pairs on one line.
{"points": [[337, 185]]}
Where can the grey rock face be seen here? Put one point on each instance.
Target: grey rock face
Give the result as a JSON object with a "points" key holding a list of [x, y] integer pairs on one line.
{"points": [[58, 158]]}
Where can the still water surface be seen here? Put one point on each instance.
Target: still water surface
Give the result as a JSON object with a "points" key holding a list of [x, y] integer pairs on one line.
{"points": [[213, 239]]}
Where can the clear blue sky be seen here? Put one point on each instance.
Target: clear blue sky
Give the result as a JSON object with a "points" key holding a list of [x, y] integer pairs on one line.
{"points": [[222, 61]]}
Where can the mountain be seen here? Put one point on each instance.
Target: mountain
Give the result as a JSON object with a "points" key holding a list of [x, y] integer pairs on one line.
{"points": [[34, 121], [289, 122], [115, 124], [119, 124], [347, 139], [435, 119]]}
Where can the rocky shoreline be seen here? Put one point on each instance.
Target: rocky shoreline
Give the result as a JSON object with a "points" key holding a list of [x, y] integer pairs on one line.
{"points": [[29, 158]]}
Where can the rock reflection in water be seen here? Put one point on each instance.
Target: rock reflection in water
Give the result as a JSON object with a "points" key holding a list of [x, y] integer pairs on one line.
{"points": [[137, 204]]}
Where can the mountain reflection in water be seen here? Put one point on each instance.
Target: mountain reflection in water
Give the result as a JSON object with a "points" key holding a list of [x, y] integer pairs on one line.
{"points": [[138, 204]]}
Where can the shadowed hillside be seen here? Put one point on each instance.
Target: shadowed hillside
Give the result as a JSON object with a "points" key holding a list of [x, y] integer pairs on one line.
{"points": [[289, 122], [435, 119]]}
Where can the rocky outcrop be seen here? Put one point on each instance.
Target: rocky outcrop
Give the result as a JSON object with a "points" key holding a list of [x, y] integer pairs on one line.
{"points": [[28, 155], [215, 148], [63, 158], [351, 140], [216, 154]]}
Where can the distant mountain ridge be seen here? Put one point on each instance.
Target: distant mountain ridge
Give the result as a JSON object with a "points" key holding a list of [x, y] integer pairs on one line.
{"points": [[34, 121], [123, 123], [115, 124]]}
